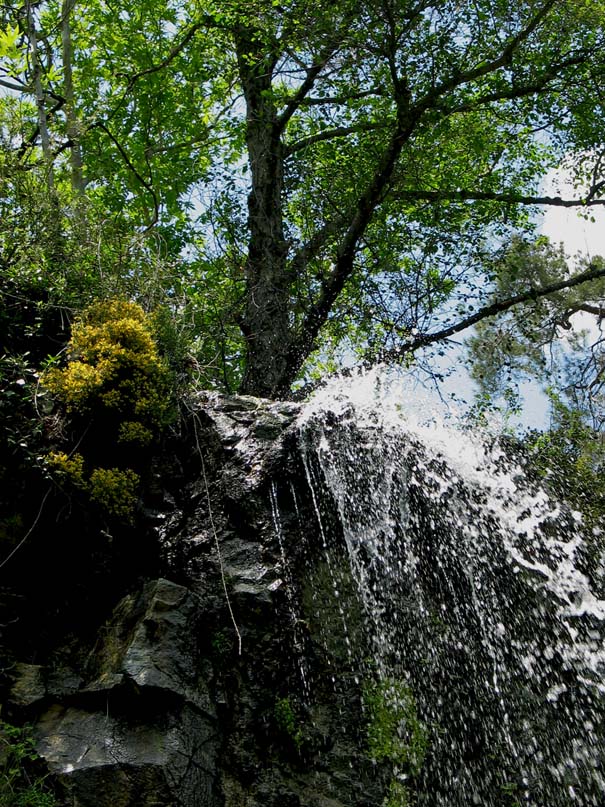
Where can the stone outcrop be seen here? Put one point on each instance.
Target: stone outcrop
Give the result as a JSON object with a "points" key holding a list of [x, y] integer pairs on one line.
{"points": [[213, 683], [315, 611]]}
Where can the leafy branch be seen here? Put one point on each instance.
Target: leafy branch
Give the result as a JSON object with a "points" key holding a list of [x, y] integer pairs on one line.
{"points": [[596, 271]]}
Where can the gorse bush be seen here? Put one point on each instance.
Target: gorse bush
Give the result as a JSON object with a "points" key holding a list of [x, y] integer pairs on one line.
{"points": [[67, 468], [115, 489], [115, 368], [117, 392]]}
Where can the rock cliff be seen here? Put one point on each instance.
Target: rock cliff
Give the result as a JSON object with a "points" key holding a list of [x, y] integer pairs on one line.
{"points": [[335, 607], [192, 661]]}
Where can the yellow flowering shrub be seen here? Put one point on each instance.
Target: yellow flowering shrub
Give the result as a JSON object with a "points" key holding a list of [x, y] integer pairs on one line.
{"points": [[115, 489], [132, 431], [117, 389], [114, 365], [64, 466]]}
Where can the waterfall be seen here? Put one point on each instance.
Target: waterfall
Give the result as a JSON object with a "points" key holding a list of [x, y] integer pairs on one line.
{"points": [[483, 633]]}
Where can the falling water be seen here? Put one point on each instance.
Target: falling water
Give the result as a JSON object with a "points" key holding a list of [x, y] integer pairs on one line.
{"points": [[474, 594]]}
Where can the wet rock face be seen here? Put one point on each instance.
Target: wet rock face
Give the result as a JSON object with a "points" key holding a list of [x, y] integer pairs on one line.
{"points": [[209, 685], [138, 726]]}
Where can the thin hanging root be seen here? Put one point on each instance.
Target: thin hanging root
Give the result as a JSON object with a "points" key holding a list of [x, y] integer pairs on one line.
{"points": [[29, 532], [216, 541]]}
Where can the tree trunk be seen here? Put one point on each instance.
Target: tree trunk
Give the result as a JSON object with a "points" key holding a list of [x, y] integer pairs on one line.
{"points": [[40, 102], [266, 318], [73, 128]]}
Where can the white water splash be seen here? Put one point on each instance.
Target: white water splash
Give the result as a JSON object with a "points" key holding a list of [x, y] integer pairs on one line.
{"points": [[471, 577], [404, 408]]}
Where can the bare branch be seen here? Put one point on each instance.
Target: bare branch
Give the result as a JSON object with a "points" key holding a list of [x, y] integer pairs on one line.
{"points": [[490, 196], [598, 311], [332, 134], [594, 272]]}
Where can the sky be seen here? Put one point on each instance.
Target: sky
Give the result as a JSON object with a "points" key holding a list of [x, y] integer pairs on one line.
{"points": [[565, 224], [579, 236]]}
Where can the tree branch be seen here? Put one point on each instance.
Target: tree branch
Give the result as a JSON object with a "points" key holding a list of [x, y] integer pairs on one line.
{"points": [[15, 87], [486, 68], [361, 216], [594, 272], [338, 100], [147, 185], [132, 80], [490, 196], [310, 249], [31, 140], [331, 134], [304, 89], [514, 92]]}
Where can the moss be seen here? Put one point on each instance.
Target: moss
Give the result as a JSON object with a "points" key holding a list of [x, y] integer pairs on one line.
{"points": [[395, 733], [398, 795], [287, 721]]}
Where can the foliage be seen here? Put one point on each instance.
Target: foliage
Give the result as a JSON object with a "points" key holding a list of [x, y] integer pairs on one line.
{"points": [[287, 721], [571, 458], [22, 439], [537, 338], [294, 182], [394, 730], [66, 467], [115, 490], [20, 784], [118, 388], [114, 366]]}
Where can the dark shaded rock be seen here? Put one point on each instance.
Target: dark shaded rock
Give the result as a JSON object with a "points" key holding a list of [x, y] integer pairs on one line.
{"points": [[140, 729], [29, 684], [152, 642], [157, 756], [177, 696]]}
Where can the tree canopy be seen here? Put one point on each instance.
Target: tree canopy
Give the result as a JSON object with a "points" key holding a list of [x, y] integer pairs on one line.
{"points": [[295, 181]]}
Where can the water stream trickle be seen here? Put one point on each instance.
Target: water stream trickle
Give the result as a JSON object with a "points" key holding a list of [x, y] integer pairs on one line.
{"points": [[473, 592]]}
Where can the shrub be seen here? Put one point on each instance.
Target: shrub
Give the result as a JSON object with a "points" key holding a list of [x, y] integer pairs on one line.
{"points": [[66, 467], [117, 392], [115, 490], [20, 784], [115, 368]]}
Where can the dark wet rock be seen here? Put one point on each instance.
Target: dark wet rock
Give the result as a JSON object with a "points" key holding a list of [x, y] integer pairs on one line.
{"points": [[146, 754], [214, 683]]}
